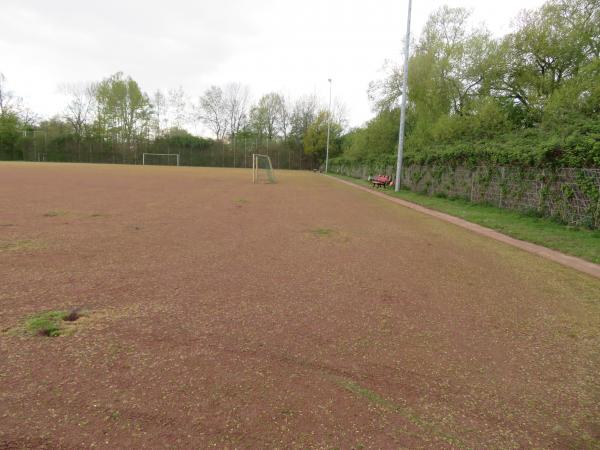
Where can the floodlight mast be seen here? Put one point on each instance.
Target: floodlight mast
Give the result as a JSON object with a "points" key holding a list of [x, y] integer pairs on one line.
{"points": [[328, 128], [403, 107]]}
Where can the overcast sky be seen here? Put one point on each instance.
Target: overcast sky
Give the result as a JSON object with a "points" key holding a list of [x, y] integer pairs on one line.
{"points": [[287, 46]]}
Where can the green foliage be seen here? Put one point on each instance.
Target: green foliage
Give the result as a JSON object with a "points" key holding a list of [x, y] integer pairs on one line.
{"points": [[530, 98], [265, 117], [549, 47], [179, 138], [315, 139], [10, 136], [124, 111], [302, 115], [12, 123], [379, 137], [577, 99], [576, 145]]}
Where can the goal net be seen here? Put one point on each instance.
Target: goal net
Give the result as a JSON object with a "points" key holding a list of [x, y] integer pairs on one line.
{"points": [[262, 169], [160, 159]]}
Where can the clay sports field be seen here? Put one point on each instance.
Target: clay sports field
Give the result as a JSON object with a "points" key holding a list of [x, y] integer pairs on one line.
{"points": [[302, 314]]}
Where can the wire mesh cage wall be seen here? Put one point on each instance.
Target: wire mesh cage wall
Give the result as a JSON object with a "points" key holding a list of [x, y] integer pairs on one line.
{"points": [[216, 154]]}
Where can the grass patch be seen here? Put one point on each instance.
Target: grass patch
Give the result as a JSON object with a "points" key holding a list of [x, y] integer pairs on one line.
{"points": [[576, 241], [50, 323], [322, 232], [20, 245], [241, 201], [55, 213]]}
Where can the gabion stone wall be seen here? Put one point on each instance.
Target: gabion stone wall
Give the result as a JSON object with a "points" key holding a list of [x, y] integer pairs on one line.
{"points": [[571, 195]]}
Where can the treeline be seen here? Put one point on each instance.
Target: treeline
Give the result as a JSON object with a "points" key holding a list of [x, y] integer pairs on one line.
{"points": [[114, 120], [531, 97]]}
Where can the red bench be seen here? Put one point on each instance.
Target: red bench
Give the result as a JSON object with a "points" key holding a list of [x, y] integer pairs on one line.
{"points": [[381, 181]]}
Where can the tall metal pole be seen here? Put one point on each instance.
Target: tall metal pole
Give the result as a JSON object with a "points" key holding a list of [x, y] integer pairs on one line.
{"points": [[328, 128], [403, 107]]}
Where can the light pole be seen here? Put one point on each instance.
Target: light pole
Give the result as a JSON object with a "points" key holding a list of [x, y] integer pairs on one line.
{"points": [[404, 95], [328, 128]]}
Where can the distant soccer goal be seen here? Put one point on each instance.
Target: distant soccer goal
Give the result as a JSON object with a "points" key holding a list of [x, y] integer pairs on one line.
{"points": [[262, 169], [160, 159]]}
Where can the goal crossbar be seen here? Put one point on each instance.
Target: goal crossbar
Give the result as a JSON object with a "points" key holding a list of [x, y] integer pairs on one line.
{"points": [[158, 154]]}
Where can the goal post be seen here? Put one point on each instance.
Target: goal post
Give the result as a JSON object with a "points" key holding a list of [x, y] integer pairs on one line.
{"points": [[160, 159], [262, 169]]}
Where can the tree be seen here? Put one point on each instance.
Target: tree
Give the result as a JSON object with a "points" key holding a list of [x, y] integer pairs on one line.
{"points": [[177, 108], [124, 111], [465, 88], [180, 138], [578, 98], [455, 59], [315, 139], [379, 137], [339, 114], [10, 134], [284, 118], [212, 111], [10, 122], [265, 116], [9, 103], [449, 68], [304, 112], [80, 109], [161, 110], [549, 46], [236, 104]]}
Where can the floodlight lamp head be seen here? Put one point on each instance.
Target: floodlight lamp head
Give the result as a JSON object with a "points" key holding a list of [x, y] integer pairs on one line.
{"points": [[329, 79]]}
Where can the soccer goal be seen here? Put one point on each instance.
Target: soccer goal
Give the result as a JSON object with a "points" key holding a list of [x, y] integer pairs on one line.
{"points": [[160, 159], [262, 169]]}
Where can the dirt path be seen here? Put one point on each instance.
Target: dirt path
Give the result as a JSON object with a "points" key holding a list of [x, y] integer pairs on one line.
{"points": [[304, 314]]}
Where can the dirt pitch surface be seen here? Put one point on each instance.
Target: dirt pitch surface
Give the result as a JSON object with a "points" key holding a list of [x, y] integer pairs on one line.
{"points": [[304, 314]]}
